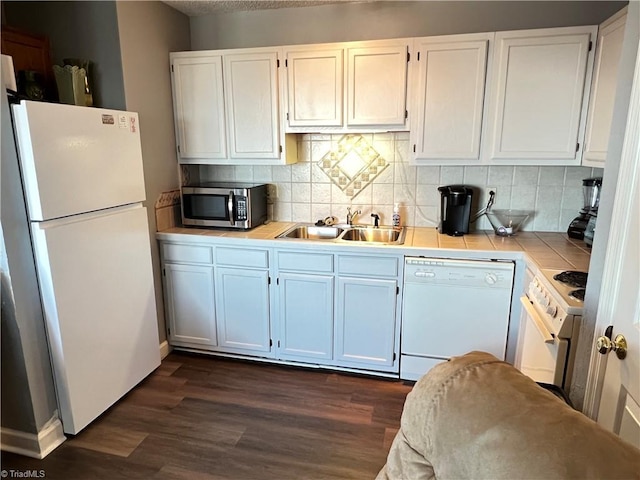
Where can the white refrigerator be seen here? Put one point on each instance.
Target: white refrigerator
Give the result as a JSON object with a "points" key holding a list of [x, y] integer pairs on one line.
{"points": [[83, 185]]}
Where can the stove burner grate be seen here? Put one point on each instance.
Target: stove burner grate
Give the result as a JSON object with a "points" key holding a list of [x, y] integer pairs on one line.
{"points": [[578, 294], [573, 278]]}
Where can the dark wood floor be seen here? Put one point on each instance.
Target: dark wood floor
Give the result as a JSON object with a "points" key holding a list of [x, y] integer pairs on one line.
{"points": [[200, 417]]}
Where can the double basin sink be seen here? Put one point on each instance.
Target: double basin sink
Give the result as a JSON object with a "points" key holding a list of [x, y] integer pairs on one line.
{"points": [[347, 233]]}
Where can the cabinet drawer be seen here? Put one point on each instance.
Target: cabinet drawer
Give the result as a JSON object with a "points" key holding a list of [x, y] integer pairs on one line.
{"points": [[305, 262], [174, 252], [357, 265], [242, 257]]}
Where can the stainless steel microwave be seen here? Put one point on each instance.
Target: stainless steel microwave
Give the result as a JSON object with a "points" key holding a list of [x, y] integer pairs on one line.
{"points": [[224, 205]]}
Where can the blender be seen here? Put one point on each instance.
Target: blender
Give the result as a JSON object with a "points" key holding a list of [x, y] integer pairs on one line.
{"points": [[578, 226]]}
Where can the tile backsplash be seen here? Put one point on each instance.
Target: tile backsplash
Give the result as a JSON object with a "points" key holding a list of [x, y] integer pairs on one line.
{"points": [[305, 193]]}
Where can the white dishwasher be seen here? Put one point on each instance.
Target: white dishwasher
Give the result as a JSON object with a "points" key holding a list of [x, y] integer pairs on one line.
{"points": [[451, 307]]}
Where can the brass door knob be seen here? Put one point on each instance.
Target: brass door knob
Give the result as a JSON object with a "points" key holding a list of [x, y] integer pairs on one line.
{"points": [[619, 345]]}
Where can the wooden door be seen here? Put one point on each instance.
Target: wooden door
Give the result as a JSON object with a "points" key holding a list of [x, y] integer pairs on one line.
{"points": [[618, 399], [450, 97], [198, 105], [603, 89], [314, 87], [251, 94], [377, 86], [538, 95]]}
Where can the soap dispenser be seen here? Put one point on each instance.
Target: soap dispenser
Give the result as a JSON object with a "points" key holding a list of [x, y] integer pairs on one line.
{"points": [[396, 215]]}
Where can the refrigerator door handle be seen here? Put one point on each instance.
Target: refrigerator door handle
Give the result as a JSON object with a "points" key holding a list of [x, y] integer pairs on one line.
{"points": [[230, 203]]}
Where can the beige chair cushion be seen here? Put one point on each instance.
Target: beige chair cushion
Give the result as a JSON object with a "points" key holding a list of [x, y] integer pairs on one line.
{"points": [[477, 417]]}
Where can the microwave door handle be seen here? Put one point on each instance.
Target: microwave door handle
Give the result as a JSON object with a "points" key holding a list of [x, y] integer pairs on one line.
{"points": [[230, 203]]}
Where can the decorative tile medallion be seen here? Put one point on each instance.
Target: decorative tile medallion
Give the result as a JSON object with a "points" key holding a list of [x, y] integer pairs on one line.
{"points": [[353, 164]]}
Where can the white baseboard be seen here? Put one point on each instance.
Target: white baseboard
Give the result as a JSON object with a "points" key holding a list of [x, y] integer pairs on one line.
{"points": [[32, 445], [165, 349]]}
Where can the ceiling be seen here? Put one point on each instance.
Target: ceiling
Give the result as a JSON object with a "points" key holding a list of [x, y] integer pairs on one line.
{"points": [[196, 8]]}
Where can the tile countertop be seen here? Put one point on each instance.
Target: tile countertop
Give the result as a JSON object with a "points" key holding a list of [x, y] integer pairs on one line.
{"points": [[546, 250]]}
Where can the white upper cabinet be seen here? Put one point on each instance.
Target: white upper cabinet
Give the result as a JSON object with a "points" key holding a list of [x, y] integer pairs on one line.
{"points": [[448, 101], [227, 108], [603, 89], [251, 86], [314, 80], [198, 105], [358, 86], [377, 86], [538, 99]]}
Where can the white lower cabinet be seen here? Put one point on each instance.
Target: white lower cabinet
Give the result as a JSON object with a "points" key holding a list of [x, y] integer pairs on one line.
{"points": [[306, 317], [366, 322], [242, 310], [190, 305], [324, 308]]}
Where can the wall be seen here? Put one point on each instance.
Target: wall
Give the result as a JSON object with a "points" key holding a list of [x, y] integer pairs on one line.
{"points": [[306, 194], [28, 395], [148, 32], [375, 20], [87, 30]]}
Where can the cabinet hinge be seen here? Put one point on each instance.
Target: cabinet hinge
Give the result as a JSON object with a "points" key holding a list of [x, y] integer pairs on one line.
{"points": [[269, 281], [278, 343], [286, 62], [169, 331], [397, 290], [178, 148], [287, 116], [278, 63], [270, 342], [590, 45], [394, 356], [172, 64], [408, 57], [414, 148], [577, 147], [277, 281], [406, 114], [418, 56], [164, 272], [280, 148]]}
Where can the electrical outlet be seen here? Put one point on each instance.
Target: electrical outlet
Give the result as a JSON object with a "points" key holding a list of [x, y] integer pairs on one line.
{"points": [[487, 194], [272, 193]]}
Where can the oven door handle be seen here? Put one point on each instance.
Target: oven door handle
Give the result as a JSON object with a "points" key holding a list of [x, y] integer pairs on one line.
{"points": [[230, 203], [542, 328]]}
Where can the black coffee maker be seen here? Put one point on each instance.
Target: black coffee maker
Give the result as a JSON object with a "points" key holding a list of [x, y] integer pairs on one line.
{"points": [[455, 209]]}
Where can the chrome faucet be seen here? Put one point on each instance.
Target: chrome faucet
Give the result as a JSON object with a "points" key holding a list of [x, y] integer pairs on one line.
{"points": [[376, 220], [351, 216]]}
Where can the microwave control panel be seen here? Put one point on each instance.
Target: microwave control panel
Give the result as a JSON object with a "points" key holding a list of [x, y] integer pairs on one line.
{"points": [[241, 208]]}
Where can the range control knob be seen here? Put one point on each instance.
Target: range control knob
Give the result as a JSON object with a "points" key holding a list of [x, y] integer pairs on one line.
{"points": [[545, 301], [490, 279], [552, 311]]}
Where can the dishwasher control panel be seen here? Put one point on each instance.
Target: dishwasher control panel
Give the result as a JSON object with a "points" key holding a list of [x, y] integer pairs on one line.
{"points": [[479, 273]]}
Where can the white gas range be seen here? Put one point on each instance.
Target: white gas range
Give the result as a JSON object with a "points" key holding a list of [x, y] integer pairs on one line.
{"points": [[549, 326]]}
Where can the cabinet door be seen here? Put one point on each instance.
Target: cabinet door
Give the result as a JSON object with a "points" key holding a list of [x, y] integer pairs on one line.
{"points": [[377, 86], [190, 305], [199, 108], [306, 317], [315, 94], [539, 94], [251, 89], [603, 90], [366, 322], [450, 99], [242, 310]]}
